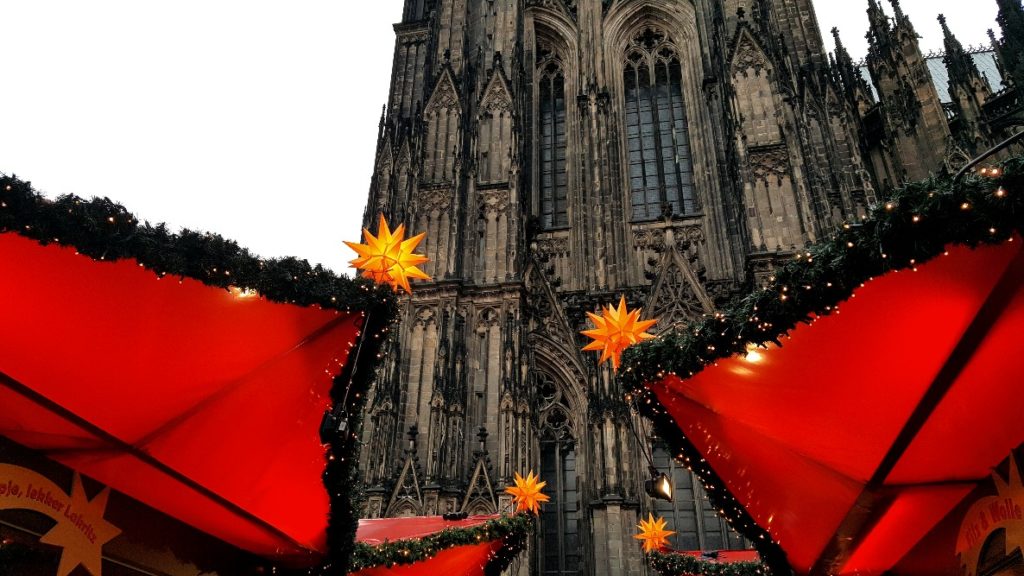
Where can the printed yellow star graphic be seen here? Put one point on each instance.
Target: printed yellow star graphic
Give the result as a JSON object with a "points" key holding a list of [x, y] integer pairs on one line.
{"points": [[388, 257], [82, 532], [653, 534], [617, 329], [526, 494]]}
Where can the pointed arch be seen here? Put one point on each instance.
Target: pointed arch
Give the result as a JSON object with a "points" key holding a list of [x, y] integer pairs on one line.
{"points": [[407, 497], [496, 140], [678, 297], [443, 118], [555, 71], [655, 68], [564, 370], [552, 142], [657, 132], [383, 170], [497, 95], [445, 94], [556, 28], [561, 440], [545, 310], [404, 171], [480, 498], [747, 54]]}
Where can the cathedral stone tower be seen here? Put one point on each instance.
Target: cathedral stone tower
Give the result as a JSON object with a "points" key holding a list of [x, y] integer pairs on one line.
{"points": [[917, 134], [558, 154]]}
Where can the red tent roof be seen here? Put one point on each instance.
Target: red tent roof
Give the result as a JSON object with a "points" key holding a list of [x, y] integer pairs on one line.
{"points": [[201, 402], [467, 560], [854, 439]]}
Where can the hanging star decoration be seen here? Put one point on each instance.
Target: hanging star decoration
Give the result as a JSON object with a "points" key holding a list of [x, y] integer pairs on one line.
{"points": [[526, 494], [388, 257], [653, 533], [617, 329]]}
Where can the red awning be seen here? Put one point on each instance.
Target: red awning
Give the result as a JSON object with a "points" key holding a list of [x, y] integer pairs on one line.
{"points": [[854, 439], [202, 403], [458, 561], [725, 556]]}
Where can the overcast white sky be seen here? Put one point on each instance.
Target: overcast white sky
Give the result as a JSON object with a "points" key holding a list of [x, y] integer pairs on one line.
{"points": [[255, 119]]}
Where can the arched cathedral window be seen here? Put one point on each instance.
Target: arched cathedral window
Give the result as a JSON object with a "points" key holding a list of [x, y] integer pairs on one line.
{"points": [[660, 164], [697, 524], [554, 179], [560, 546]]}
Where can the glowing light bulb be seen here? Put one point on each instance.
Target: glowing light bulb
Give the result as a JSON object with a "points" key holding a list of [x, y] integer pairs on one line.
{"points": [[754, 355]]}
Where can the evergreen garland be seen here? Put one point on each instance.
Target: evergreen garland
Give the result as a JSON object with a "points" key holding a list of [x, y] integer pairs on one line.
{"points": [[106, 231], [915, 225], [685, 565], [512, 529], [341, 475]]}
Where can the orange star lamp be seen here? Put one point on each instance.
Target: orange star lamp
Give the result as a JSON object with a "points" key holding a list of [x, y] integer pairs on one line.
{"points": [[617, 329], [388, 258], [653, 533], [526, 493]]}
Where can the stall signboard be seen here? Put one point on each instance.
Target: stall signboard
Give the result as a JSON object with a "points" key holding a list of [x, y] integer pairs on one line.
{"points": [[1002, 512], [81, 530]]}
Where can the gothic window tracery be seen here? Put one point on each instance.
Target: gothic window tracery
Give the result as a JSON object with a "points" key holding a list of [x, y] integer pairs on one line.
{"points": [[554, 177], [560, 519], [660, 162]]}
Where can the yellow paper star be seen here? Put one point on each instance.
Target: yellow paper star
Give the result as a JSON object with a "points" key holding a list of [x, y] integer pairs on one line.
{"points": [[653, 534], [617, 330], [526, 494], [388, 258]]}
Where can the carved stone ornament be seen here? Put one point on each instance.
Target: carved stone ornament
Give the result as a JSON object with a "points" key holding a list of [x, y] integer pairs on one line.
{"points": [[433, 200], [493, 202], [445, 96], [496, 97], [766, 162], [748, 56], [654, 238], [678, 296], [546, 248], [543, 309]]}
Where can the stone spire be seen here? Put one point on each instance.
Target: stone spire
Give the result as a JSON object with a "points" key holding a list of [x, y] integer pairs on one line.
{"points": [[909, 99], [968, 90], [1011, 48], [879, 28], [847, 72], [959, 63], [901, 18]]}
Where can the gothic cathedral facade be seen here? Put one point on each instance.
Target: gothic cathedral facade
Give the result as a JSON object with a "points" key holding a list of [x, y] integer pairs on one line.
{"points": [[559, 154]]}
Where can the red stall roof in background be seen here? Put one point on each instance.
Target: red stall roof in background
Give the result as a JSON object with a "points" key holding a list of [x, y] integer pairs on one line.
{"points": [[200, 402], [854, 439], [458, 561]]}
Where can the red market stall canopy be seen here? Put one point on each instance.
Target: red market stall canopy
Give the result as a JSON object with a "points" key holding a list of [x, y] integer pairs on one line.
{"points": [[850, 442], [433, 545], [200, 401], [891, 393], [695, 563]]}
